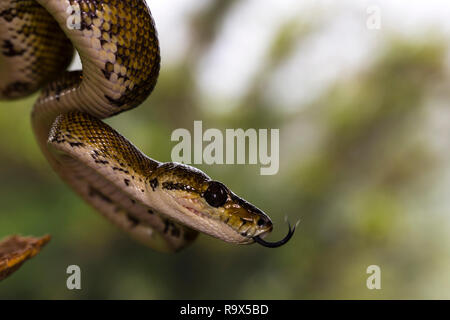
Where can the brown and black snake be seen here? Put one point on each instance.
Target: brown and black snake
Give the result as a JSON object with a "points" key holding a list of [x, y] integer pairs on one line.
{"points": [[163, 205]]}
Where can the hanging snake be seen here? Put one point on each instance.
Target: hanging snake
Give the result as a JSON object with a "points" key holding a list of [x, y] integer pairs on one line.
{"points": [[163, 205]]}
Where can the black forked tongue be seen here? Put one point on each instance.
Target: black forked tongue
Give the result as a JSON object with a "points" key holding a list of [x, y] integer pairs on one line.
{"points": [[278, 243]]}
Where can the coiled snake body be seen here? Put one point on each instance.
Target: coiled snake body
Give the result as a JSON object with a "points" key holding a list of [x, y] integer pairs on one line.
{"points": [[163, 205]]}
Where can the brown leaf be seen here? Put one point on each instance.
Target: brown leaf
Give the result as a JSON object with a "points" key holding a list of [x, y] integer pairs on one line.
{"points": [[15, 250]]}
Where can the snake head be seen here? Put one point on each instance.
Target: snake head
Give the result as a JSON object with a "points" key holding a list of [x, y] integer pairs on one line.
{"points": [[192, 198]]}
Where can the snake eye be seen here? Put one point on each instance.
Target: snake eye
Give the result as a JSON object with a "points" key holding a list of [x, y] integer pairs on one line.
{"points": [[216, 195]]}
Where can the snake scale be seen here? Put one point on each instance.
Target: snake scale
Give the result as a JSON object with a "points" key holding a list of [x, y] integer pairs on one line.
{"points": [[163, 205]]}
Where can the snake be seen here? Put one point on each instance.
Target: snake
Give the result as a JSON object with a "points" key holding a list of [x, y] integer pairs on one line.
{"points": [[163, 205]]}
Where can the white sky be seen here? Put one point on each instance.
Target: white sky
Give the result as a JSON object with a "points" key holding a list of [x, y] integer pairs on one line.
{"points": [[342, 45]]}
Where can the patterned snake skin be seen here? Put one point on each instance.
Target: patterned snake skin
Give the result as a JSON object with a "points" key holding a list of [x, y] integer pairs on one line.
{"points": [[163, 205]]}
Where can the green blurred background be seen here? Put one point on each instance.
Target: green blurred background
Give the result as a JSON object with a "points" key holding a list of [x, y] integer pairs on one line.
{"points": [[364, 157]]}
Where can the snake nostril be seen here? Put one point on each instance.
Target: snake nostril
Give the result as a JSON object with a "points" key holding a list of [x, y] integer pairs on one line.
{"points": [[264, 222]]}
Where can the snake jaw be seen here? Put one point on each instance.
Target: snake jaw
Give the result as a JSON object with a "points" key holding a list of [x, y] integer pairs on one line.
{"points": [[237, 221], [189, 203], [194, 213], [205, 205]]}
